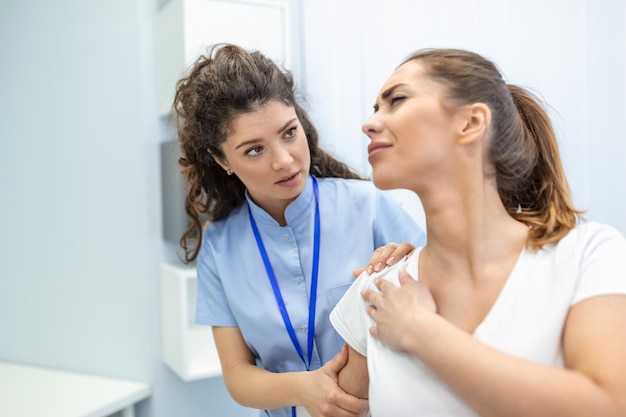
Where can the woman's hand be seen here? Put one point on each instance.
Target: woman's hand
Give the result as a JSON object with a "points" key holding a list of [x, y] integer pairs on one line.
{"points": [[324, 397], [396, 311], [385, 256]]}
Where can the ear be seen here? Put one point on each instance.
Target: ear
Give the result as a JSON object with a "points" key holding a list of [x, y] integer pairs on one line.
{"points": [[475, 121], [221, 162]]}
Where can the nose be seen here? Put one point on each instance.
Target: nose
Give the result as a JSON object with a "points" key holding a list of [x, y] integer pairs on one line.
{"points": [[282, 159], [373, 125]]}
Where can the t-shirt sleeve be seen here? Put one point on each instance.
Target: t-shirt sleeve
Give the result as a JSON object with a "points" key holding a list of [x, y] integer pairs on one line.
{"points": [[394, 224], [212, 306], [349, 317], [603, 265]]}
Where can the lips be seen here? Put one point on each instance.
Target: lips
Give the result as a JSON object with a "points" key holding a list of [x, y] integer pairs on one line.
{"points": [[377, 146], [288, 178]]}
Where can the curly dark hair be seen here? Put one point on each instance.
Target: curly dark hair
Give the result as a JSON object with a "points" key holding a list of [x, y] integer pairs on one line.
{"points": [[221, 85], [523, 147]]}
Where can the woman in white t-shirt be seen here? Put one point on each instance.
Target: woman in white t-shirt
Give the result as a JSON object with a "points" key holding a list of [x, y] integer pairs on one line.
{"points": [[515, 306]]}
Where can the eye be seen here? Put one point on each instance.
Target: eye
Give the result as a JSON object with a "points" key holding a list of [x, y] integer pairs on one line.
{"points": [[396, 99], [254, 151], [291, 133]]}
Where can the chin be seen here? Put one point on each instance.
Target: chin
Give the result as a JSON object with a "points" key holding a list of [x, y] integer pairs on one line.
{"points": [[384, 181]]}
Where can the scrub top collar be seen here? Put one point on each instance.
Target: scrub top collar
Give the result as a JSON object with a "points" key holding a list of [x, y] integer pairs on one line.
{"points": [[298, 210]]}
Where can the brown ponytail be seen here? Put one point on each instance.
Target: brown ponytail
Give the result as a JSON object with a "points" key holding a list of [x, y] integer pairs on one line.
{"points": [[544, 195]]}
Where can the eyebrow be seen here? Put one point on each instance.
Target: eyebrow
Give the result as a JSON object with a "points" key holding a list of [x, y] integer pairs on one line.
{"points": [[255, 140], [282, 129], [386, 94]]}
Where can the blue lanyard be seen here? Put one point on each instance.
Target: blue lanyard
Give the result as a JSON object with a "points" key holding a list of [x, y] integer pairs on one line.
{"points": [[277, 293]]}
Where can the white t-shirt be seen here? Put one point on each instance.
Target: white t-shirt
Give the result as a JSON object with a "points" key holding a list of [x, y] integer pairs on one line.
{"points": [[526, 319]]}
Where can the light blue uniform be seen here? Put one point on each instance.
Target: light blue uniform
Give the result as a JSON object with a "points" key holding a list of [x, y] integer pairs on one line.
{"points": [[234, 289]]}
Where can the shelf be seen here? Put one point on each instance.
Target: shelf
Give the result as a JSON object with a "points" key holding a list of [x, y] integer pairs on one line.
{"points": [[188, 349]]}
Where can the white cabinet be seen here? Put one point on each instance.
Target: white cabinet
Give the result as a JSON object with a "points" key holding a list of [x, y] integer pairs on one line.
{"points": [[188, 349], [185, 28]]}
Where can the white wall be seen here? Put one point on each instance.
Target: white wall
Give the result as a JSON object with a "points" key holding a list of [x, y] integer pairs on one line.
{"points": [[605, 107], [79, 175], [77, 166]]}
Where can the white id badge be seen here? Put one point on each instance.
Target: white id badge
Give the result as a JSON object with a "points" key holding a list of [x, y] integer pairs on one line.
{"points": [[301, 412]]}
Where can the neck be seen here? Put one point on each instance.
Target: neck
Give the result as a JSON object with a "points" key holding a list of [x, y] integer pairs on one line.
{"points": [[276, 210], [469, 231]]}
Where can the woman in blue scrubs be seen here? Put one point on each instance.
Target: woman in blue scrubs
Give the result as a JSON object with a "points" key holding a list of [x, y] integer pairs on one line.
{"points": [[285, 226]]}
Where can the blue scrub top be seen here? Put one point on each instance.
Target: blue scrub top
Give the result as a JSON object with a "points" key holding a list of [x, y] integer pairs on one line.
{"points": [[233, 287]]}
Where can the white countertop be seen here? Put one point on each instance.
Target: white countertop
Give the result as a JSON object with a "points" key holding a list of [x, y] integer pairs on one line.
{"points": [[31, 391]]}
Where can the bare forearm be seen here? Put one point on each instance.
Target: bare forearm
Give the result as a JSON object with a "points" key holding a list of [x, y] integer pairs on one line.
{"points": [[248, 384], [256, 387], [251, 386], [497, 384]]}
